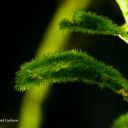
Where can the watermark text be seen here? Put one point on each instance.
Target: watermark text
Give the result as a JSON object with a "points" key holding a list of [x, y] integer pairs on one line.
{"points": [[8, 120]]}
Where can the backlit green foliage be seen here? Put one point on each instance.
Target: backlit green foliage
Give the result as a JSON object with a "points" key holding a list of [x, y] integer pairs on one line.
{"points": [[69, 66], [123, 4], [121, 122], [87, 22]]}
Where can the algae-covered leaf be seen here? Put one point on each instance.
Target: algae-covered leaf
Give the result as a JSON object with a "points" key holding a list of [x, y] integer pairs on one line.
{"points": [[69, 66]]}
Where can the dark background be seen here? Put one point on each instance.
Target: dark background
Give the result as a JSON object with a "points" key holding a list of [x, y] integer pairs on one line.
{"points": [[70, 105]]}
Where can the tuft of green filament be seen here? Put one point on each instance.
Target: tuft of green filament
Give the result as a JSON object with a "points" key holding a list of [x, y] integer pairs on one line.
{"points": [[88, 22], [69, 66], [91, 23]]}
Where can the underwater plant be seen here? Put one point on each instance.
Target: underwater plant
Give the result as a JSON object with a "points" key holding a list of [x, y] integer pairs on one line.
{"points": [[69, 66], [74, 65]]}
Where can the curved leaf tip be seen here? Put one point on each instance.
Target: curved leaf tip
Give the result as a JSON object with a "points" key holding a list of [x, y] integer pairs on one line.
{"points": [[69, 66]]}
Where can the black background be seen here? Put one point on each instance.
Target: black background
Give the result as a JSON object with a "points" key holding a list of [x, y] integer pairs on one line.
{"points": [[70, 105]]}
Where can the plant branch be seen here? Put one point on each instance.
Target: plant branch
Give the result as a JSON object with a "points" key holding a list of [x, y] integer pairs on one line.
{"points": [[53, 40], [123, 4]]}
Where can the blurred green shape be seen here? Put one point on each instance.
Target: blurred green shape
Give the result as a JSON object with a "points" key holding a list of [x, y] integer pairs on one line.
{"points": [[123, 4], [121, 122], [53, 39]]}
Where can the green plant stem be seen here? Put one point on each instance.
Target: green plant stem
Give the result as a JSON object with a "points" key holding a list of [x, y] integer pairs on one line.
{"points": [[31, 115], [124, 37], [123, 4]]}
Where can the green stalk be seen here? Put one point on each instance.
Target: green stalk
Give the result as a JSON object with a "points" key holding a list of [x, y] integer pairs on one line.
{"points": [[123, 4], [53, 40]]}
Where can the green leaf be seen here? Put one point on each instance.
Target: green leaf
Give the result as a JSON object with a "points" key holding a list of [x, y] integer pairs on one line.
{"points": [[121, 122], [87, 22], [69, 66], [124, 37], [123, 4], [91, 23]]}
